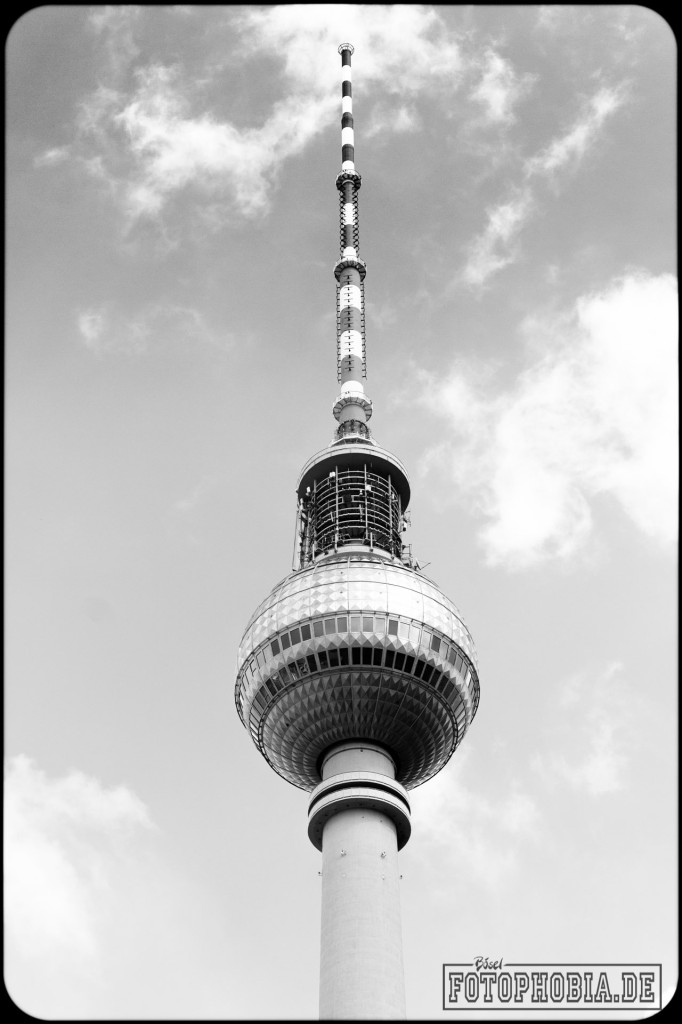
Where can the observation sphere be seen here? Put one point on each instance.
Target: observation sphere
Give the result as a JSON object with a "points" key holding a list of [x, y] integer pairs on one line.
{"points": [[356, 646]]}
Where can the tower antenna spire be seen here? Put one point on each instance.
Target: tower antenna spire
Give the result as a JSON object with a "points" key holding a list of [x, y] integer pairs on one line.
{"points": [[352, 408]]}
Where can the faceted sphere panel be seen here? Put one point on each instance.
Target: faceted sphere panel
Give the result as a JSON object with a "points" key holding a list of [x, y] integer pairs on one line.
{"points": [[356, 646]]}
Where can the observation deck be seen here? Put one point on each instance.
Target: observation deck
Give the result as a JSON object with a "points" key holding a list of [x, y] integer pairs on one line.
{"points": [[356, 646]]}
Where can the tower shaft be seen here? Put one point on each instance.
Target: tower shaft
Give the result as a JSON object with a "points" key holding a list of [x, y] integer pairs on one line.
{"points": [[361, 959]]}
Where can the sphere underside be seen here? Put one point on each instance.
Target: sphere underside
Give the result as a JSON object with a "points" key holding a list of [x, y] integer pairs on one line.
{"points": [[418, 727], [356, 646]]}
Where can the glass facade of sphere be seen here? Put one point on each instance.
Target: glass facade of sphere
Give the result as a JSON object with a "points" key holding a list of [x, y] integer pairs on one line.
{"points": [[356, 646]]}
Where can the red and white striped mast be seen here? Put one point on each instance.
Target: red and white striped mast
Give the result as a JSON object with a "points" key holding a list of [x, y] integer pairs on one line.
{"points": [[352, 408]]}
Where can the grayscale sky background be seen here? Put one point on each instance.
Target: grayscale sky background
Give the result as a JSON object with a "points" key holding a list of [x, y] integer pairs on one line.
{"points": [[172, 224]]}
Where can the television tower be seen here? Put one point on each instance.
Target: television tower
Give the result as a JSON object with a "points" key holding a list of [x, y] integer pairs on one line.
{"points": [[356, 677]]}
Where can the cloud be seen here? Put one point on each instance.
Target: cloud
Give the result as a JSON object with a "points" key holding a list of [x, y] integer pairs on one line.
{"points": [[620, 22], [104, 331], [596, 414], [550, 16], [493, 249], [173, 149], [383, 315], [500, 88], [597, 731], [388, 39], [51, 157], [496, 246], [60, 836], [571, 147], [150, 133], [98, 925], [92, 324], [485, 834], [391, 118], [115, 24], [586, 748]]}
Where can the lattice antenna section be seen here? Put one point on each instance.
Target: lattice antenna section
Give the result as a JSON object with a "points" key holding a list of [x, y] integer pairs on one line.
{"points": [[350, 505], [352, 408]]}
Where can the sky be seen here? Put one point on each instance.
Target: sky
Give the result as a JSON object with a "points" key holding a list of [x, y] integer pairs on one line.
{"points": [[172, 226]]}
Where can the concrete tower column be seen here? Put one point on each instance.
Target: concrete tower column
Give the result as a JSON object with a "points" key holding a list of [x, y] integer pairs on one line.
{"points": [[363, 815]]}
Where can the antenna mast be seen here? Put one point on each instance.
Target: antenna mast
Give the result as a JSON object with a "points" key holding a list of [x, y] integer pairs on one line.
{"points": [[352, 408]]}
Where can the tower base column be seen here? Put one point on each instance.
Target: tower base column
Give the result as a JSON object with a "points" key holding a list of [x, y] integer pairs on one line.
{"points": [[362, 817]]}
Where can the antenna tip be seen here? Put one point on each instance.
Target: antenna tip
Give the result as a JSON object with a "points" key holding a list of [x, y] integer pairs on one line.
{"points": [[347, 46]]}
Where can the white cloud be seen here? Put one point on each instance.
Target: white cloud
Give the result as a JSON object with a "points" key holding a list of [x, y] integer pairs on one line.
{"points": [[624, 23], [60, 835], [561, 19], [92, 325], [496, 246], [571, 147], [391, 118], [103, 331], [97, 924], [115, 24], [485, 834], [592, 734], [152, 136], [173, 149], [388, 40], [383, 315], [500, 88], [596, 734], [597, 414], [493, 249], [53, 156]]}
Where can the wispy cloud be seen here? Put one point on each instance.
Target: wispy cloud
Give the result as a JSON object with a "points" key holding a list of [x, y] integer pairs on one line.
{"points": [[594, 733], [51, 157], [94, 915], [383, 315], [499, 88], [571, 147], [552, 18], [92, 325], [385, 118], [496, 246], [105, 331], [597, 414], [173, 149], [149, 134], [115, 24], [59, 837], [586, 747], [625, 23], [485, 834], [391, 39]]}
